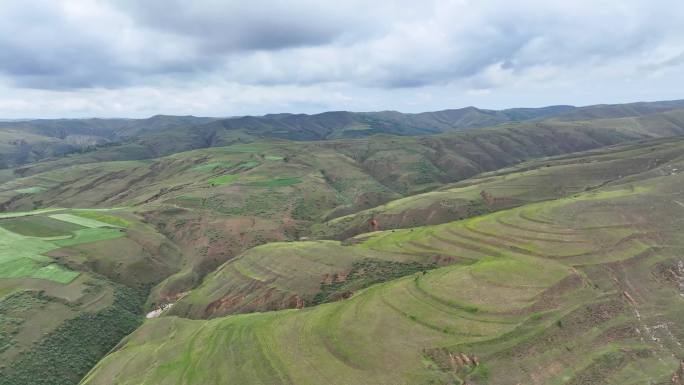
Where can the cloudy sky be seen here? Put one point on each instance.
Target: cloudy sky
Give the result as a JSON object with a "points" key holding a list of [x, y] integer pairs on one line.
{"points": [[130, 58]]}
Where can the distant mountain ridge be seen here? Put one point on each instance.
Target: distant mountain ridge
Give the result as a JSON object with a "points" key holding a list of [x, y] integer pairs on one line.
{"points": [[345, 124], [115, 128], [28, 141]]}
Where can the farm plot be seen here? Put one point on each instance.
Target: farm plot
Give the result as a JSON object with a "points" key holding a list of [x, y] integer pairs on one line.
{"points": [[100, 216], [20, 257], [39, 226], [213, 166], [25, 237], [80, 220], [90, 235], [224, 180]]}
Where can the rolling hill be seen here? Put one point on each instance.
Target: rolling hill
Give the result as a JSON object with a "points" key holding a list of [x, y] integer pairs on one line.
{"points": [[23, 142], [536, 246], [27, 141], [249, 283], [215, 203], [575, 290], [527, 182]]}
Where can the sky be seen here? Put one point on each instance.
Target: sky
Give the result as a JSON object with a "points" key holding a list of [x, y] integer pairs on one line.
{"points": [[130, 58]]}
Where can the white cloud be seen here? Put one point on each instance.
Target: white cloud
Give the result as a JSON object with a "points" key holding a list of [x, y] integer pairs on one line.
{"points": [[210, 57]]}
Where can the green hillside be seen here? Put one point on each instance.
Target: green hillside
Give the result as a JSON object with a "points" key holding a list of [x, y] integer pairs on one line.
{"points": [[543, 248], [254, 281], [589, 281], [532, 181], [215, 203]]}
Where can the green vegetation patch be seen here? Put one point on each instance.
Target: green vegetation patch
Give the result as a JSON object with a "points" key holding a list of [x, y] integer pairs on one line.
{"points": [[27, 213], [103, 218], [13, 309], [80, 220], [18, 268], [280, 182], [248, 165], [90, 235], [55, 272], [212, 166], [39, 226], [14, 246], [65, 355], [224, 180], [31, 190], [29, 268]]}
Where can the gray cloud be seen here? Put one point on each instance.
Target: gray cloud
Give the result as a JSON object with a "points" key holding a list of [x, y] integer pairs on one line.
{"points": [[255, 25], [363, 53]]}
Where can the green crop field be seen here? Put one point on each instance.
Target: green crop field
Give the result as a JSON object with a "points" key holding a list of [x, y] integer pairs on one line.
{"points": [[248, 165], [54, 272], [224, 180], [25, 238], [213, 166], [90, 235], [21, 256], [39, 226], [103, 218]]}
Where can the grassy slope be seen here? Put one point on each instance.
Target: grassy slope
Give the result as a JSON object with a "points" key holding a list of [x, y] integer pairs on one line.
{"points": [[583, 281], [286, 275], [536, 180], [215, 203], [394, 164], [270, 277]]}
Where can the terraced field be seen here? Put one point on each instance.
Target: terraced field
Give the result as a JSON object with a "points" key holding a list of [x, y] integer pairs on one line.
{"points": [[288, 275], [25, 238], [578, 290]]}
